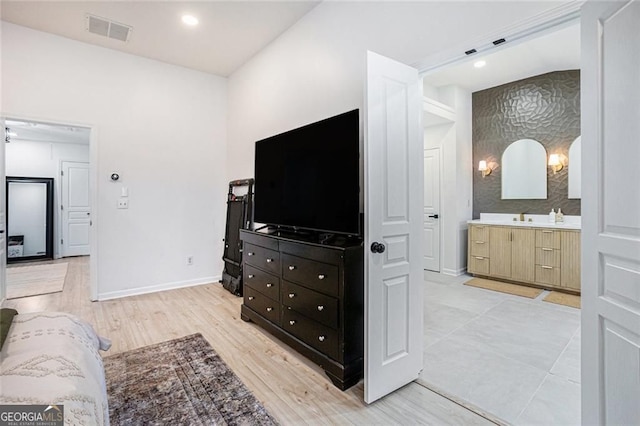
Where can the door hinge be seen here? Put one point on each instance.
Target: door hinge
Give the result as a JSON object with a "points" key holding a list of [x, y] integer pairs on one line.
{"points": [[61, 172], [61, 207], [61, 241]]}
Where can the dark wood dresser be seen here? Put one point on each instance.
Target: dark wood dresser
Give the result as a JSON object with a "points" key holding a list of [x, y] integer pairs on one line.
{"points": [[309, 295]]}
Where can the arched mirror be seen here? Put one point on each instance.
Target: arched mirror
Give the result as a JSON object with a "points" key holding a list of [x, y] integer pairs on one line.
{"points": [[575, 169], [524, 171]]}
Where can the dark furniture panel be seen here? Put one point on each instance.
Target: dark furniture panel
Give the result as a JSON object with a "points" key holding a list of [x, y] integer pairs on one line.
{"points": [[262, 257], [311, 273], [261, 281], [320, 297]]}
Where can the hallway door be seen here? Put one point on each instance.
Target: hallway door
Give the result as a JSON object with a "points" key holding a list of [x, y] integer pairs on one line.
{"points": [[431, 242], [76, 209]]}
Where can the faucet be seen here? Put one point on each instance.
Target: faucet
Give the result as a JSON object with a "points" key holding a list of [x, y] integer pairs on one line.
{"points": [[521, 217]]}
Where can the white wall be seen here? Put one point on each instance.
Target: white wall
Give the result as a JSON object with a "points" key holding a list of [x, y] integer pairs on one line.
{"points": [[317, 68], [162, 127], [42, 159]]}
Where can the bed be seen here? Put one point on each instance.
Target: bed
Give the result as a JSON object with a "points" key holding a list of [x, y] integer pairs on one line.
{"points": [[53, 358]]}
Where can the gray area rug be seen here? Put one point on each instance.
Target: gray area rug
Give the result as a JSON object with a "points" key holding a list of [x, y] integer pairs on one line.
{"points": [[179, 382]]}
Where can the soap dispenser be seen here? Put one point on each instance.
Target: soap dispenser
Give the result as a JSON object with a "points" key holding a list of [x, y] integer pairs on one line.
{"points": [[552, 216], [559, 216]]}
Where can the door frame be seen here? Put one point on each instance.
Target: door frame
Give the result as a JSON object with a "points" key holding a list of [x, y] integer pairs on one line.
{"points": [[93, 187]]}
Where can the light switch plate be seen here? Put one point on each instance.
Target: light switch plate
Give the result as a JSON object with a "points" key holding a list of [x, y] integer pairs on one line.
{"points": [[123, 203], [124, 191]]}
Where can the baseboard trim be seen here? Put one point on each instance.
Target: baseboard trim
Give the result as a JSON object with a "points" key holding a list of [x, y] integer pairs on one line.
{"points": [[454, 272], [156, 288]]}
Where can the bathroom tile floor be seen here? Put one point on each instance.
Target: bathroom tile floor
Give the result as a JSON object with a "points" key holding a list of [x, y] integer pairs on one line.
{"points": [[514, 358]]}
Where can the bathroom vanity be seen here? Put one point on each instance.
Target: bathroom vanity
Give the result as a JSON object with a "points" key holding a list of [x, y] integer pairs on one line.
{"points": [[530, 252]]}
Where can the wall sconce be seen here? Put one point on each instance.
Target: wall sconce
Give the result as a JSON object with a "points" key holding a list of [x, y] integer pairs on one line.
{"points": [[484, 168], [556, 163]]}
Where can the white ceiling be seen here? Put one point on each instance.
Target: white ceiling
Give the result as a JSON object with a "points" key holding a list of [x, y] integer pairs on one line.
{"points": [[229, 32], [43, 132], [556, 51]]}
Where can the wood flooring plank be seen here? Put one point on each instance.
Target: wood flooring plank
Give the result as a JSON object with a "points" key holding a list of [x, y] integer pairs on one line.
{"points": [[292, 388]]}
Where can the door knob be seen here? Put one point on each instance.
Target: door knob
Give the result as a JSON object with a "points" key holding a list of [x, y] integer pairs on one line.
{"points": [[435, 216], [377, 247]]}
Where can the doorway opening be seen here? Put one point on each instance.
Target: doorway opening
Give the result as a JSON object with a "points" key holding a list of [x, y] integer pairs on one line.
{"points": [[499, 354], [60, 154]]}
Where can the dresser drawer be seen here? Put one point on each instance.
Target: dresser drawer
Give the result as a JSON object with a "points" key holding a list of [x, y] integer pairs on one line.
{"points": [[311, 274], [317, 306], [479, 233], [479, 248], [268, 308], [547, 256], [322, 338], [548, 238], [261, 281], [547, 275], [263, 258], [478, 265]]}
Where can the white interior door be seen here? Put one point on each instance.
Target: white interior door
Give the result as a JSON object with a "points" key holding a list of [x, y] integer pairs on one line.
{"points": [[393, 202], [76, 208], [610, 86], [3, 218], [431, 241]]}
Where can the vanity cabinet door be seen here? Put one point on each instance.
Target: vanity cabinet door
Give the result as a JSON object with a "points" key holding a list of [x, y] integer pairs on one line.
{"points": [[523, 254], [570, 259], [500, 251]]}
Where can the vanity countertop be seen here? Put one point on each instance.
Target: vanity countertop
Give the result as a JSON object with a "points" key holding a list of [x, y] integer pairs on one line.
{"points": [[530, 221]]}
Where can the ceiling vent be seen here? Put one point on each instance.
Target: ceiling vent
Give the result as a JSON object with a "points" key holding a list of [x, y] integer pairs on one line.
{"points": [[106, 28]]}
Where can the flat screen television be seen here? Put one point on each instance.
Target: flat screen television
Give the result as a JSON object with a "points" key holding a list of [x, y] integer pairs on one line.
{"points": [[308, 178]]}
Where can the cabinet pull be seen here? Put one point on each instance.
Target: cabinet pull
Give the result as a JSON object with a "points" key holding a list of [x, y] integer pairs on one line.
{"points": [[291, 267], [251, 297], [292, 322], [321, 338], [269, 309], [479, 227], [479, 242], [269, 260], [547, 232], [479, 258], [250, 276], [269, 285], [546, 249], [292, 295], [321, 277], [320, 307], [547, 267], [250, 254]]}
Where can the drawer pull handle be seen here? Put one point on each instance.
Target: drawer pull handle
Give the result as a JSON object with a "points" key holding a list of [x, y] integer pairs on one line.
{"points": [[250, 276], [269, 285], [320, 307], [321, 338], [251, 297], [479, 227], [479, 242], [291, 267], [250, 254], [546, 249], [269, 260], [547, 267], [479, 258], [269, 309], [292, 295], [321, 277], [547, 232], [292, 322]]}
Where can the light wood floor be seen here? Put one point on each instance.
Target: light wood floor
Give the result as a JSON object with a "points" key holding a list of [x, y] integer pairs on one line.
{"points": [[294, 390]]}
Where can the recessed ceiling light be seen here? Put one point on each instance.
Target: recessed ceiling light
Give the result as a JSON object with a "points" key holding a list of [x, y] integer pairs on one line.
{"points": [[190, 20], [479, 64]]}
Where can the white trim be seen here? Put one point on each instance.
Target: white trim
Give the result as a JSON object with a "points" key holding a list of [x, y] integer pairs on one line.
{"points": [[454, 272], [159, 287], [547, 21]]}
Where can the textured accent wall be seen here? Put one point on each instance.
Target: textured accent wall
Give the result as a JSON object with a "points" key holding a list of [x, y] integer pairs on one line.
{"points": [[545, 108]]}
